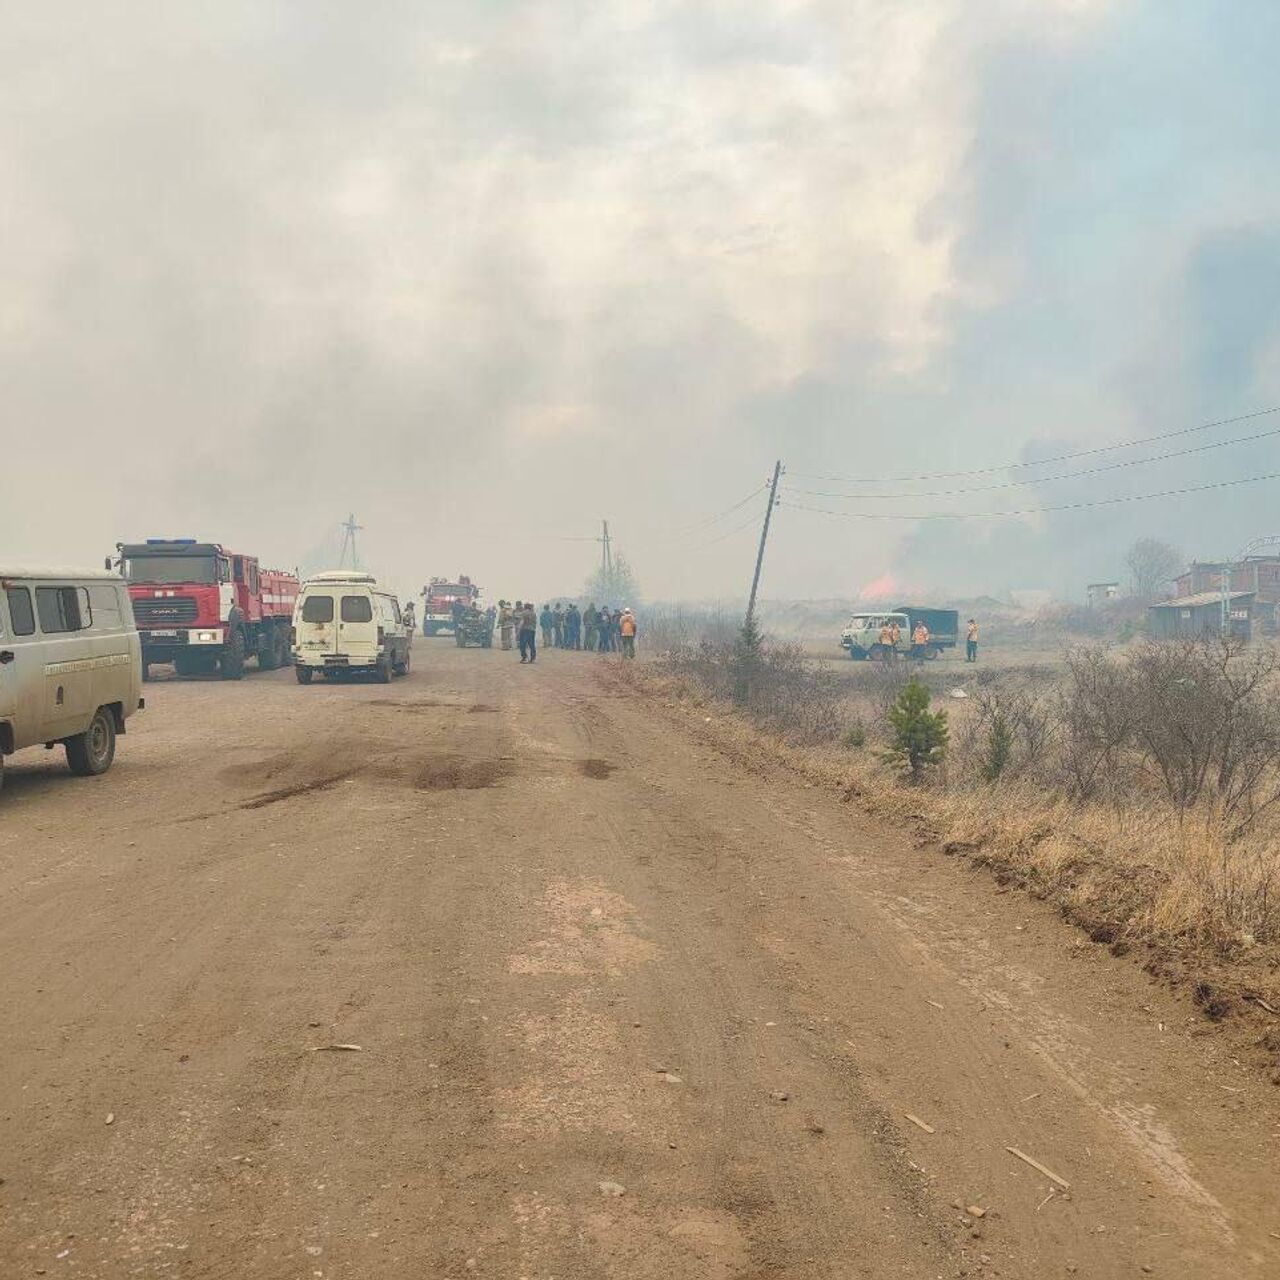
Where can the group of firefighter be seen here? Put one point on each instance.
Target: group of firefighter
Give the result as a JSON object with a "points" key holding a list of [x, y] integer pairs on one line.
{"points": [[890, 640], [599, 630]]}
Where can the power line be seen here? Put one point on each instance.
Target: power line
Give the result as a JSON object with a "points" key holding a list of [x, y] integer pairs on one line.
{"points": [[1041, 462], [1067, 475], [728, 511], [749, 523], [1030, 511]]}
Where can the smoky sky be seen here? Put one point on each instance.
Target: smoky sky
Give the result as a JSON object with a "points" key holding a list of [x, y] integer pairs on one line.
{"points": [[487, 273]]}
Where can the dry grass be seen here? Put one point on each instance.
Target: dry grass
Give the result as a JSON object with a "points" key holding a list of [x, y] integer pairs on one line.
{"points": [[1197, 904]]}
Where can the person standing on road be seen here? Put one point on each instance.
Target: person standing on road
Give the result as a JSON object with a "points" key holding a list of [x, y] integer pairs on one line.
{"points": [[557, 626], [627, 630], [527, 621], [506, 621], [573, 627], [590, 621], [971, 642], [605, 632], [919, 642], [544, 620]]}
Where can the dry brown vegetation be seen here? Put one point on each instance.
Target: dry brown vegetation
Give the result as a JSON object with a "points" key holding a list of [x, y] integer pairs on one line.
{"points": [[1138, 789]]}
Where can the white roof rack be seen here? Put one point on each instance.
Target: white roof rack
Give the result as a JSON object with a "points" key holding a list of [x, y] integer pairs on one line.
{"points": [[342, 575], [33, 571]]}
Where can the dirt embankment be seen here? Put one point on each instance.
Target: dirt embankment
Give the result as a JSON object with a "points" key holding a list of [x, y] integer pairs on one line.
{"points": [[1085, 864]]}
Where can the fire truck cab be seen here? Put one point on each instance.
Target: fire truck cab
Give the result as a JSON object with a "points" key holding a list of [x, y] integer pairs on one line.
{"points": [[444, 601], [205, 609]]}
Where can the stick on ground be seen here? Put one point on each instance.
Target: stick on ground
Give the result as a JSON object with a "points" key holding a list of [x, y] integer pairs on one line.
{"points": [[1035, 1164]]}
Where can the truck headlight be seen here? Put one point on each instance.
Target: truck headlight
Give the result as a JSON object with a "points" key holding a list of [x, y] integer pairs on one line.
{"points": [[206, 637]]}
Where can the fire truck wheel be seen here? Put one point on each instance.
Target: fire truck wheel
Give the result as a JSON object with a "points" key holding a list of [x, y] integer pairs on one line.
{"points": [[268, 656], [91, 753], [304, 674], [231, 666]]}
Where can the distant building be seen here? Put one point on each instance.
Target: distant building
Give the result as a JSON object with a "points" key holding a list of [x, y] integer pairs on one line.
{"points": [[1258, 575], [1097, 593], [1191, 616]]}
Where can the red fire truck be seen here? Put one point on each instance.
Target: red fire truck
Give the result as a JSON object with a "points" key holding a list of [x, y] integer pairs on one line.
{"points": [[439, 598], [205, 608]]}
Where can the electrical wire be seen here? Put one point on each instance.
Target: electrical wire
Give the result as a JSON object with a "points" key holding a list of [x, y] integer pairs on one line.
{"points": [[1040, 462], [1067, 475], [728, 511], [1031, 511], [752, 519]]}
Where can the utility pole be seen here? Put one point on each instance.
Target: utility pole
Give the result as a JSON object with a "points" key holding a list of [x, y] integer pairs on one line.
{"points": [[764, 538], [350, 529], [606, 554]]}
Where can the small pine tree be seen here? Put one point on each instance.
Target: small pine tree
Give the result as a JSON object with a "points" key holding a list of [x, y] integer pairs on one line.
{"points": [[999, 748], [919, 735]]}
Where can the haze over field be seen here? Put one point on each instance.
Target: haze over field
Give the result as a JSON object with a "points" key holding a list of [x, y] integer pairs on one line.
{"points": [[487, 272]]}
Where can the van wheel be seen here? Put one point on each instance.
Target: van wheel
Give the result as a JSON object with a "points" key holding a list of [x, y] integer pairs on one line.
{"points": [[231, 666], [304, 674], [383, 672], [91, 752], [1, 773]]}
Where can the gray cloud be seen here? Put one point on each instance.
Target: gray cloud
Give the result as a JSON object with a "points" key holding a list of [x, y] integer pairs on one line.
{"points": [[487, 272]]}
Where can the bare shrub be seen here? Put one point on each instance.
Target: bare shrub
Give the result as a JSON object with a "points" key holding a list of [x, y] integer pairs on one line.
{"points": [[1200, 718], [777, 685], [1205, 713], [1096, 718]]}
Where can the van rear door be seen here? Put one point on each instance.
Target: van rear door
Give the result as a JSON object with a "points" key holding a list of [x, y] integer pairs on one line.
{"points": [[316, 628], [358, 624]]}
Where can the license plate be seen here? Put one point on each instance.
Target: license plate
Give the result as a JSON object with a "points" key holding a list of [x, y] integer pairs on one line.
{"points": [[163, 635]]}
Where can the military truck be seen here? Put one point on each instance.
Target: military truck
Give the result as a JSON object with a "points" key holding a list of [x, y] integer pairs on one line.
{"points": [[943, 626], [861, 638]]}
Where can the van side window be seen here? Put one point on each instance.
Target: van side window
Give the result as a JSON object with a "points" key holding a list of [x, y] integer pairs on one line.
{"points": [[104, 602], [317, 609], [357, 609], [24, 621], [63, 609]]}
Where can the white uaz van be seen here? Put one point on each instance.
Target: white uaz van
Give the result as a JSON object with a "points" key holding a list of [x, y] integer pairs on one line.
{"points": [[70, 664], [344, 622]]}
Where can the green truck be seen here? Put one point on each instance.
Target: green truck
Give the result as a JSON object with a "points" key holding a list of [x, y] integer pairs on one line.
{"points": [[943, 626], [861, 638]]}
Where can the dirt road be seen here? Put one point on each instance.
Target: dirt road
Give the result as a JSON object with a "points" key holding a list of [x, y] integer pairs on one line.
{"points": [[627, 1008]]}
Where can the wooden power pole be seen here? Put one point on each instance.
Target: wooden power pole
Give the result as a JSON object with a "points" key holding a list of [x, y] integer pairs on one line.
{"points": [[764, 538]]}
